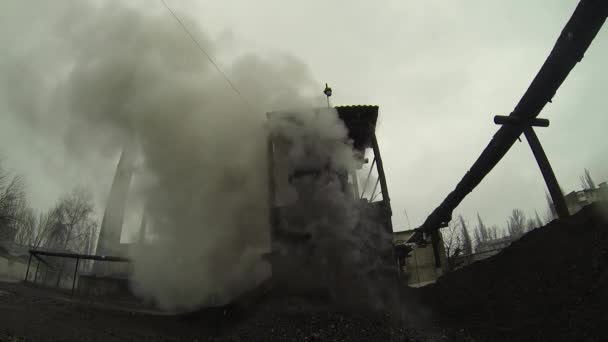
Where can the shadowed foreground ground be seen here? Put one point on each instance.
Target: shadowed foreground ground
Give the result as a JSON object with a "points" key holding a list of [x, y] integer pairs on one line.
{"points": [[33, 314], [550, 285]]}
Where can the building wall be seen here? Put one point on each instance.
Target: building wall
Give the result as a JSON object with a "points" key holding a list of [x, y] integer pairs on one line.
{"points": [[420, 267], [493, 245], [576, 200], [11, 268]]}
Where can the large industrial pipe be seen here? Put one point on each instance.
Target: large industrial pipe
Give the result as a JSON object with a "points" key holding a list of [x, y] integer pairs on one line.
{"points": [[575, 38]]}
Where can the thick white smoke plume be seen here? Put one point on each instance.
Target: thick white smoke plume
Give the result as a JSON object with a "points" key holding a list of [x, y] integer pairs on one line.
{"points": [[100, 74], [347, 248]]}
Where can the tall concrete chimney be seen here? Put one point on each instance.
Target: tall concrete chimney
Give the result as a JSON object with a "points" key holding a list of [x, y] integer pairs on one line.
{"points": [[111, 225]]}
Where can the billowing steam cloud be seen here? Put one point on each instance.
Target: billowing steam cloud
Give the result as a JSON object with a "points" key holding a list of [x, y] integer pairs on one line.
{"points": [[104, 76], [345, 251], [99, 75]]}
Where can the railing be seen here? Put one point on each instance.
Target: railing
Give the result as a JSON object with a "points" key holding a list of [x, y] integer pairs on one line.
{"points": [[40, 254]]}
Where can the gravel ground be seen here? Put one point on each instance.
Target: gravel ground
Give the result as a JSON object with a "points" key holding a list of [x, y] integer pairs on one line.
{"points": [[34, 314]]}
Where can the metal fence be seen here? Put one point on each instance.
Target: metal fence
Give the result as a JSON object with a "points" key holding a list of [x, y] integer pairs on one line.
{"points": [[62, 269]]}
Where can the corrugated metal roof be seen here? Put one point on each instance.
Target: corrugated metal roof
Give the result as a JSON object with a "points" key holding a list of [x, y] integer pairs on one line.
{"points": [[360, 121]]}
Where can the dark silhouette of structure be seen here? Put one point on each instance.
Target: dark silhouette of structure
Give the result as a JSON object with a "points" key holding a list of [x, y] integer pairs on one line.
{"points": [[575, 38], [291, 243], [112, 222]]}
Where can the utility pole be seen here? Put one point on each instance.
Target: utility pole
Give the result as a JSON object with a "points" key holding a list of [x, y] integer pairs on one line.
{"points": [[409, 226]]}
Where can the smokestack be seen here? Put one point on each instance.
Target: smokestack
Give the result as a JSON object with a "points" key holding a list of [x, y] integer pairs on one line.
{"points": [[111, 225], [143, 227]]}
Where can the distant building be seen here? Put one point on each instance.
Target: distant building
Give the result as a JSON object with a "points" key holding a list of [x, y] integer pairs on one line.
{"points": [[484, 250], [419, 266], [576, 200], [493, 246], [13, 260]]}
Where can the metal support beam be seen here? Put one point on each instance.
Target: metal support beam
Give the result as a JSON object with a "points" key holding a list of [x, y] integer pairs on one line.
{"points": [[541, 158], [380, 167], [36, 274], [513, 120], [75, 275], [40, 259], [545, 168], [573, 42], [59, 274], [36, 253], [371, 168], [29, 262], [373, 194]]}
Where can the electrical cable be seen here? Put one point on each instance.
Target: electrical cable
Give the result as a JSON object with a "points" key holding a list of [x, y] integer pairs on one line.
{"points": [[200, 47]]}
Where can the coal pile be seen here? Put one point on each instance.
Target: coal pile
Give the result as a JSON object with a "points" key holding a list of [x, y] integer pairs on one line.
{"points": [[551, 285], [305, 319], [33, 314], [272, 314]]}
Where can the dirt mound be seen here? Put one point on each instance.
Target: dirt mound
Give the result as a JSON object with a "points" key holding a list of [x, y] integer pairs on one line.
{"points": [[551, 285]]}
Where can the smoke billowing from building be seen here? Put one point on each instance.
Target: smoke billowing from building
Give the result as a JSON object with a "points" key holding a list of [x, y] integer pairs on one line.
{"points": [[329, 237], [98, 74]]}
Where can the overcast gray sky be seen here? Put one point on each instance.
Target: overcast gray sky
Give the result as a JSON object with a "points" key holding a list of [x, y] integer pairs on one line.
{"points": [[439, 70]]}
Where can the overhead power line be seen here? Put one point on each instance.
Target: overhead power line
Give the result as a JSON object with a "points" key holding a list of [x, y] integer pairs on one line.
{"points": [[200, 47]]}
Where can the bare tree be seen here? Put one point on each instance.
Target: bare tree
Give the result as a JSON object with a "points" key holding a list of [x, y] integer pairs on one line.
{"points": [[44, 226], [467, 243], [539, 222], [531, 224], [452, 242], [551, 213], [517, 223], [12, 201], [493, 233], [481, 231], [69, 225], [26, 225], [587, 182]]}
